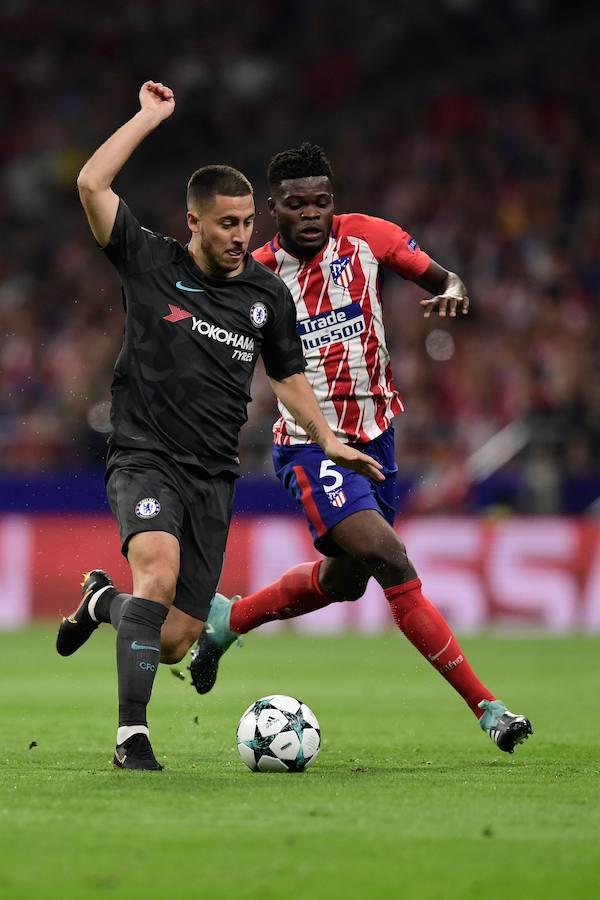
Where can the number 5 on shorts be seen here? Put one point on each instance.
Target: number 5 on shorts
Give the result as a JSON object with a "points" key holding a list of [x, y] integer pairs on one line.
{"points": [[325, 473]]}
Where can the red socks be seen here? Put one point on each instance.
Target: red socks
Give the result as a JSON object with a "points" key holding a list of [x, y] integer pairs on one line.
{"points": [[297, 592], [429, 632]]}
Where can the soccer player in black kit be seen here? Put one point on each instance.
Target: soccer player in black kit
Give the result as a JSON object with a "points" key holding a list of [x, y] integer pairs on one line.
{"points": [[196, 319]]}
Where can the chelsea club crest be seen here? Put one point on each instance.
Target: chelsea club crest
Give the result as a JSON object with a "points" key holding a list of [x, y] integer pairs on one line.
{"points": [[258, 314], [147, 508]]}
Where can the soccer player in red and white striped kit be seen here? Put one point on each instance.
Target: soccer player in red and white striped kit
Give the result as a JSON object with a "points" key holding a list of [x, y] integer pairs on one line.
{"points": [[332, 264]]}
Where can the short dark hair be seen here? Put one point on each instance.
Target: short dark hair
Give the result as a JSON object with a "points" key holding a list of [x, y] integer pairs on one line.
{"points": [[304, 161], [207, 182]]}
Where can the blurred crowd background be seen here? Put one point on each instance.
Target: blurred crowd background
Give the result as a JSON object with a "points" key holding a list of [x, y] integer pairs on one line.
{"points": [[475, 125]]}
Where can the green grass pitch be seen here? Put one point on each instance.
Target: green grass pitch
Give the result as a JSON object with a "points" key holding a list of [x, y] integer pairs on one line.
{"points": [[407, 799]]}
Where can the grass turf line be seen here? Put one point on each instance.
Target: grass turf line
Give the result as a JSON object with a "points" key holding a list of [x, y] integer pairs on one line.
{"points": [[408, 798]]}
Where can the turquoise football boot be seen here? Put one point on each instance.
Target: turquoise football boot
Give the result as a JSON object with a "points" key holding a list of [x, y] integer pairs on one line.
{"points": [[215, 640], [504, 728]]}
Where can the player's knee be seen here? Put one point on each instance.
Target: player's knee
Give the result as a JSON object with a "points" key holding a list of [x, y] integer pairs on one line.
{"points": [[343, 579], [156, 583], [386, 555], [354, 594], [347, 592]]}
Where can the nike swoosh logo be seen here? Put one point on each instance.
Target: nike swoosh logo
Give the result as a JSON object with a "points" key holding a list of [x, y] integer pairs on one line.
{"points": [[184, 287], [434, 656], [209, 629], [136, 646], [72, 618]]}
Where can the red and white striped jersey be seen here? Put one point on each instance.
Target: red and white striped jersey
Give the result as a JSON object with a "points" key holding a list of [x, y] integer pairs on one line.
{"points": [[339, 319]]}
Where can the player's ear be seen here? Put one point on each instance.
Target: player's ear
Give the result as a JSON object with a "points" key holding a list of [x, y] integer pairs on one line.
{"points": [[193, 221], [271, 205]]}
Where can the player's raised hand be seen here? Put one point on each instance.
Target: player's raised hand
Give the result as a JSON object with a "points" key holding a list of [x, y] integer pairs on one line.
{"points": [[454, 297], [447, 304], [349, 458], [158, 98]]}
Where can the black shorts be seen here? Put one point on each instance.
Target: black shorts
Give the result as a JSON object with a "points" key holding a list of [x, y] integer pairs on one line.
{"points": [[151, 492]]}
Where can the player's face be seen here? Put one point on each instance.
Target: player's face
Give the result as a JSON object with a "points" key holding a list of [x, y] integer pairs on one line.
{"points": [[303, 209], [221, 233]]}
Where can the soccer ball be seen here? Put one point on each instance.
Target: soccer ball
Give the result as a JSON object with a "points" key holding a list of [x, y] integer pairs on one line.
{"points": [[278, 734]]}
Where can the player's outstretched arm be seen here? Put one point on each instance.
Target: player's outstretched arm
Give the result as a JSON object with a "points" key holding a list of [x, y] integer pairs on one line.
{"points": [[296, 395], [157, 102], [448, 289]]}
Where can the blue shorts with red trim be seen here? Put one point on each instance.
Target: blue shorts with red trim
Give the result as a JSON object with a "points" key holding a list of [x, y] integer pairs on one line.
{"points": [[328, 494]]}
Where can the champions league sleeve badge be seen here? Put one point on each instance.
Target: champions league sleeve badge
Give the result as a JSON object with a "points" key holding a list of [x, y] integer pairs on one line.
{"points": [[341, 271], [258, 314]]}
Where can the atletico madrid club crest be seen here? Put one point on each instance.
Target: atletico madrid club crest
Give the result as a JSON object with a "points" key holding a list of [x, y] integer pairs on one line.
{"points": [[342, 271], [337, 498]]}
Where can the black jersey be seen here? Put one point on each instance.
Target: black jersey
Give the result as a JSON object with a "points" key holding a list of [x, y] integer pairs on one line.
{"points": [[182, 379]]}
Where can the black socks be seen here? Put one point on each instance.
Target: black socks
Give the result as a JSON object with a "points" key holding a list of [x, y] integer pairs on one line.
{"points": [[138, 624], [109, 606]]}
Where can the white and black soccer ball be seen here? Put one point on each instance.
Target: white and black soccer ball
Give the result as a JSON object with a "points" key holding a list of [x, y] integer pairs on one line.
{"points": [[278, 734]]}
